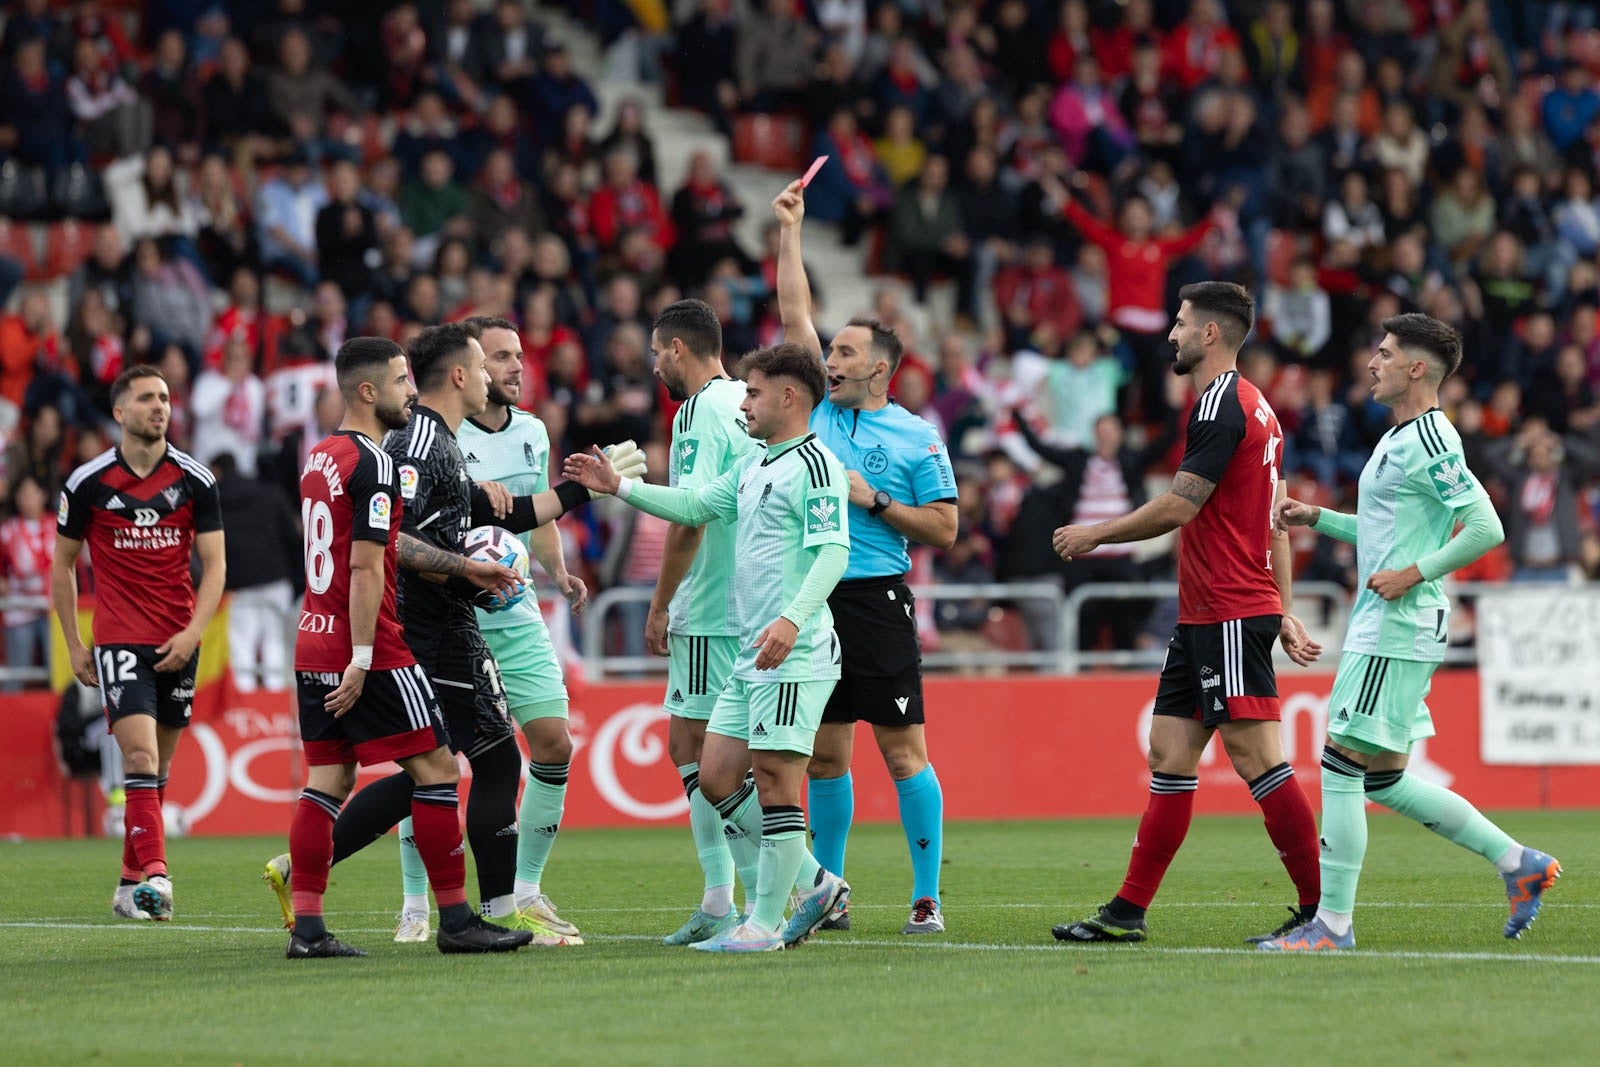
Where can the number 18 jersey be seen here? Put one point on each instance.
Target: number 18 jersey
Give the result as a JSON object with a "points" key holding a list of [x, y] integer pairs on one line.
{"points": [[349, 492]]}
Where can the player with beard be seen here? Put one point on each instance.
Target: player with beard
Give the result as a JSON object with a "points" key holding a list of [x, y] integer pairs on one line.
{"points": [[511, 447], [140, 507], [692, 619], [1234, 581], [438, 588]]}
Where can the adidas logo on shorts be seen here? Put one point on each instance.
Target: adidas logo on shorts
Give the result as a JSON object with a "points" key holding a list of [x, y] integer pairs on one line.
{"points": [[677, 697], [1344, 716], [759, 731]]}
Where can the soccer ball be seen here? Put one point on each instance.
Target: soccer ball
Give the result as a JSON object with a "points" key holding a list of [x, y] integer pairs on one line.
{"points": [[491, 544]]}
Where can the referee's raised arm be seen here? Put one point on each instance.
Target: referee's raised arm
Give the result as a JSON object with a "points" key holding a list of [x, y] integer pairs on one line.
{"points": [[794, 288]]}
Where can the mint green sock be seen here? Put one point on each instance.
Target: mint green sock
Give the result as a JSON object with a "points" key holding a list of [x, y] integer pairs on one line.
{"points": [[1445, 813], [1344, 830], [413, 875], [544, 797], [741, 817], [783, 851], [706, 826], [805, 879]]}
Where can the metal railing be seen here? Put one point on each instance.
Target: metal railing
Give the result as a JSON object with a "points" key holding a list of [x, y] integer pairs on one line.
{"points": [[598, 663], [1072, 660], [27, 675]]}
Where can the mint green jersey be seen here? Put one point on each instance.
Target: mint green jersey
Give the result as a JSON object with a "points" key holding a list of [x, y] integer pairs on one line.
{"points": [[708, 440], [788, 501], [518, 457], [1410, 492]]}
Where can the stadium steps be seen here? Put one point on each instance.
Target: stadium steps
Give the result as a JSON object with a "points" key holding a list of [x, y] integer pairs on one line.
{"points": [[679, 133]]}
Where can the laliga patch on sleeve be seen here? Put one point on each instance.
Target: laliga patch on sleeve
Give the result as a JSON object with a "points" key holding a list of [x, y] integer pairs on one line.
{"points": [[378, 512], [408, 481], [61, 510]]}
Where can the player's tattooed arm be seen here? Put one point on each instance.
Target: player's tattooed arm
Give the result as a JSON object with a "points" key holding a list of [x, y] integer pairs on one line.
{"points": [[415, 554], [1193, 488]]}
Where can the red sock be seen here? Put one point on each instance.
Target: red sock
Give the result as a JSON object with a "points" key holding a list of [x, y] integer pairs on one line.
{"points": [[1161, 833], [311, 849], [1293, 829], [143, 832], [130, 862], [437, 828]]}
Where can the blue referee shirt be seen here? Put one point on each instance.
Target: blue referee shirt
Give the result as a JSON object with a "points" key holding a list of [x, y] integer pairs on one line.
{"points": [[897, 452]]}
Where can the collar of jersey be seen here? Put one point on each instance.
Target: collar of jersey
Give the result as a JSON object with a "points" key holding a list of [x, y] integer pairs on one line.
{"points": [[787, 447], [511, 416], [423, 409], [1402, 425]]}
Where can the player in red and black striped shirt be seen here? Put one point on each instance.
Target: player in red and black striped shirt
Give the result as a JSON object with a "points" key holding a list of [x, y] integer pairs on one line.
{"points": [[141, 507], [1233, 603]]}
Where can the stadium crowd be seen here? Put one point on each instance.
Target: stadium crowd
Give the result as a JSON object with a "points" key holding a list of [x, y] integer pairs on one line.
{"points": [[228, 191]]}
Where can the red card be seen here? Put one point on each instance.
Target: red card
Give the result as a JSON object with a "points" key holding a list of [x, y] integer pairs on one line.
{"points": [[812, 173]]}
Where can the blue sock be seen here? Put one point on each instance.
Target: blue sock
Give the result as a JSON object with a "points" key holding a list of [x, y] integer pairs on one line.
{"points": [[831, 803], [922, 815]]}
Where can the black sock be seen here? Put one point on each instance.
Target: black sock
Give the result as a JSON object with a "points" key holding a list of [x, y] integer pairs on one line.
{"points": [[1124, 911], [455, 918], [128, 881], [371, 813], [310, 927], [492, 818]]}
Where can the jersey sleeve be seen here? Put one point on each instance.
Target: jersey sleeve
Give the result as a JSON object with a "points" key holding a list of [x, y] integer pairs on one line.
{"points": [[541, 447], [1214, 436], [372, 497], [933, 479], [207, 504], [72, 512], [1444, 470], [824, 509], [701, 453]]}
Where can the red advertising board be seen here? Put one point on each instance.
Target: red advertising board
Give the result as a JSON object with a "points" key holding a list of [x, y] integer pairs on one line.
{"points": [[1005, 748]]}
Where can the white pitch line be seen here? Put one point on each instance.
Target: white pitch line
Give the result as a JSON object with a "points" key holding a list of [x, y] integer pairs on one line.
{"points": [[1066, 951]]}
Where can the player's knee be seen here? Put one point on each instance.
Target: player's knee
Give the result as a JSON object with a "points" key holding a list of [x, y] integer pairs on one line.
{"points": [[436, 768], [904, 762], [552, 748], [140, 761], [827, 765]]}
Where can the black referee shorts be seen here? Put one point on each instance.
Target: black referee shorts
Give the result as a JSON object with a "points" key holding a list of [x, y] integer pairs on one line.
{"points": [[880, 657], [464, 675]]}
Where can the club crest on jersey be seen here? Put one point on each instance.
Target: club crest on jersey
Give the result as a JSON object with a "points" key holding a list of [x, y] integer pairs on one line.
{"points": [[688, 452], [172, 493], [1451, 478], [822, 515], [408, 481], [1383, 461], [378, 511], [527, 452]]}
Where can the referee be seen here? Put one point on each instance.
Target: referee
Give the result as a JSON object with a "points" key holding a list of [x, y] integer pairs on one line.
{"points": [[901, 488]]}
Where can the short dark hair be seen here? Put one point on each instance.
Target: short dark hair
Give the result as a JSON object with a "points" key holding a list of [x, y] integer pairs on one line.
{"points": [[477, 325], [1424, 335], [885, 342], [695, 324], [357, 358], [435, 350], [125, 380], [792, 361], [1229, 305]]}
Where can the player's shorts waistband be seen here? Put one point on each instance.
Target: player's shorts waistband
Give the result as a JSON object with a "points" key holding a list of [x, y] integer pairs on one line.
{"points": [[870, 585]]}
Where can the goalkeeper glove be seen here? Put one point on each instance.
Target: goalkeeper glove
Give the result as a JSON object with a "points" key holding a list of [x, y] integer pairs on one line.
{"points": [[627, 459]]}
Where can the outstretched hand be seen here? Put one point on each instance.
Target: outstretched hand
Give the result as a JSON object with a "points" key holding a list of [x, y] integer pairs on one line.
{"points": [[790, 205], [593, 471], [1290, 512]]}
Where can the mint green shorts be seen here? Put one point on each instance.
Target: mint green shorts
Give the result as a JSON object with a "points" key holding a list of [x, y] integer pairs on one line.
{"points": [[530, 673], [772, 716], [1379, 704], [697, 667]]}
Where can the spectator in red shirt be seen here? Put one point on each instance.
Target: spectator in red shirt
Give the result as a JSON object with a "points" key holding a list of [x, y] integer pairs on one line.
{"points": [[23, 337], [1036, 292], [1137, 261], [1194, 51], [1070, 40], [627, 202], [1113, 46], [27, 542]]}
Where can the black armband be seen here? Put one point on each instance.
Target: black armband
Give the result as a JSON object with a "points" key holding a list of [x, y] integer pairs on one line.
{"points": [[572, 496]]}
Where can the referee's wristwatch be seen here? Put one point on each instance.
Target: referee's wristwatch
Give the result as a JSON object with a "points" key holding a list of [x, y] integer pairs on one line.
{"points": [[880, 503]]}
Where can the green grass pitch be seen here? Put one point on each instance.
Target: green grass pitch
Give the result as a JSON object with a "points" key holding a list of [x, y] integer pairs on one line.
{"points": [[1432, 981]]}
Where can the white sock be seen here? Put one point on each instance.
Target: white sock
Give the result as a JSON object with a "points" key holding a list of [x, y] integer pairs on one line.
{"points": [[526, 892], [718, 900], [1508, 863], [750, 921], [416, 904], [1336, 921], [502, 906]]}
